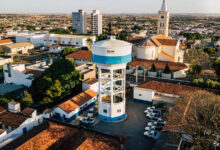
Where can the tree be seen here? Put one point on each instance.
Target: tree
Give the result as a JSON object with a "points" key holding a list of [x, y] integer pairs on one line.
{"points": [[216, 66], [56, 83], [4, 101], [60, 31], [167, 69], [153, 68], [89, 41], [209, 50], [198, 117], [196, 69], [197, 57], [67, 51], [26, 100]]}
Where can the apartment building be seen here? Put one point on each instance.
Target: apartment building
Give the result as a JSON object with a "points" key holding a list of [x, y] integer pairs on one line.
{"points": [[79, 22], [96, 22]]}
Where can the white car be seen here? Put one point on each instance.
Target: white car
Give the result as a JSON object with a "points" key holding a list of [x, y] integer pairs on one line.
{"points": [[150, 128], [150, 115], [153, 123], [150, 134], [161, 121], [90, 112], [87, 120]]}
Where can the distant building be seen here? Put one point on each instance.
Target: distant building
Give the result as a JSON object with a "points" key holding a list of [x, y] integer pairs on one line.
{"points": [[17, 48], [20, 75], [5, 42], [54, 39], [79, 22], [159, 47], [70, 109], [96, 22], [163, 20], [5, 60], [92, 84], [80, 57]]}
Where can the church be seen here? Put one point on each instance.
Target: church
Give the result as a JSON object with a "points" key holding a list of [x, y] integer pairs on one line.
{"points": [[160, 47]]}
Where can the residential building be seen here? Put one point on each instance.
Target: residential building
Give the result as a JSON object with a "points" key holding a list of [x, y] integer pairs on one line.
{"points": [[73, 107], [159, 47], [142, 67], [16, 123], [80, 57], [55, 49], [163, 20], [48, 40], [154, 92], [96, 22], [5, 42], [5, 60], [56, 135], [17, 48], [79, 22], [92, 84], [87, 71], [18, 74]]}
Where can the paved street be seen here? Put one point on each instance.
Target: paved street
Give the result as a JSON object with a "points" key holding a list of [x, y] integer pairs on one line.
{"points": [[133, 127]]}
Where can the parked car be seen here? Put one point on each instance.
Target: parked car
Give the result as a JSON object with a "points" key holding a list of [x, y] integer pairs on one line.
{"points": [[149, 109], [87, 120], [151, 134], [161, 121], [152, 123], [90, 112], [150, 115]]}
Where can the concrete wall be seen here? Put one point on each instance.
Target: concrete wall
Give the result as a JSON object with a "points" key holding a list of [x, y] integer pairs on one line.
{"points": [[94, 87], [148, 52], [143, 95]]}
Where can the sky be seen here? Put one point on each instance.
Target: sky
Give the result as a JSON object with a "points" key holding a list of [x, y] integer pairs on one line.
{"points": [[108, 6]]}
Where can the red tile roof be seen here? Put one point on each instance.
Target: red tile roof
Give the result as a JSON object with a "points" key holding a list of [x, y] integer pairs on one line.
{"points": [[168, 42], [36, 73], [12, 119], [167, 88], [81, 54], [7, 41], [28, 111], [56, 135], [1, 131], [75, 102], [160, 65]]}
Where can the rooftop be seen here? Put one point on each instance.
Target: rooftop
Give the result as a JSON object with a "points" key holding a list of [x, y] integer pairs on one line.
{"points": [[57, 135], [160, 65], [12, 119], [75, 102], [81, 54], [28, 111], [91, 81], [6, 41], [36, 73], [72, 36], [167, 88], [18, 45]]}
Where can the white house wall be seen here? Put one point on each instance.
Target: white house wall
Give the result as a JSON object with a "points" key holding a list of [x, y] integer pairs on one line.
{"points": [[143, 95]]}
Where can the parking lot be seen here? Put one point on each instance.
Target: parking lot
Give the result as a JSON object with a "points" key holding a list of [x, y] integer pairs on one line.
{"points": [[133, 127]]}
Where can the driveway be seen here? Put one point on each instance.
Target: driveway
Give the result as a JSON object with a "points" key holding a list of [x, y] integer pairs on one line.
{"points": [[133, 127]]}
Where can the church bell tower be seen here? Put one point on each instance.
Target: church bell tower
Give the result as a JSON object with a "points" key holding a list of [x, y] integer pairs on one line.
{"points": [[163, 20]]}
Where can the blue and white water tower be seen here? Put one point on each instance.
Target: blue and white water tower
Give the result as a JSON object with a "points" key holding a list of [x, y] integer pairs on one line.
{"points": [[111, 57]]}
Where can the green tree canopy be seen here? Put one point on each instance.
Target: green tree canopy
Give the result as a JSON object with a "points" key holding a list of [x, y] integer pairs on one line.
{"points": [[153, 68], [167, 69], [60, 31], [56, 82], [209, 50], [216, 66], [26, 100], [67, 51]]}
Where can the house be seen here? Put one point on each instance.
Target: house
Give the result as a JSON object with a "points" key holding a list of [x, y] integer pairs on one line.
{"points": [[5, 42], [56, 135], [92, 84], [55, 49], [73, 107], [160, 47], [80, 57], [17, 48], [5, 60], [87, 71], [154, 92], [178, 70], [18, 74], [16, 123]]}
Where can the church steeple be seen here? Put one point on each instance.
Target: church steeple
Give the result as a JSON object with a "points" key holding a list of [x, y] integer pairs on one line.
{"points": [[163, 20], [164, 6]]}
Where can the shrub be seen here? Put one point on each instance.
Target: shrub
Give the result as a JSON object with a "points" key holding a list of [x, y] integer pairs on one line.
{"points": [[153, 68], [167, 69]]}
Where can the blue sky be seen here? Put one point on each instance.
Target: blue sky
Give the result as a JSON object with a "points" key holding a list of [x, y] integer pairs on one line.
{"points": [[108, 6]]}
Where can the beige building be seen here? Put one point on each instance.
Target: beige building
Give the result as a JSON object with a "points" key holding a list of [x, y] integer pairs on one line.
{"points": [[163, 20], [17, 48], [88, 71]]}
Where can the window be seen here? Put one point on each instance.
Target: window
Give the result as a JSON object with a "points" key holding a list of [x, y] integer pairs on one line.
{"points": [[140, 94], [119, 110], [105, 110]]}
